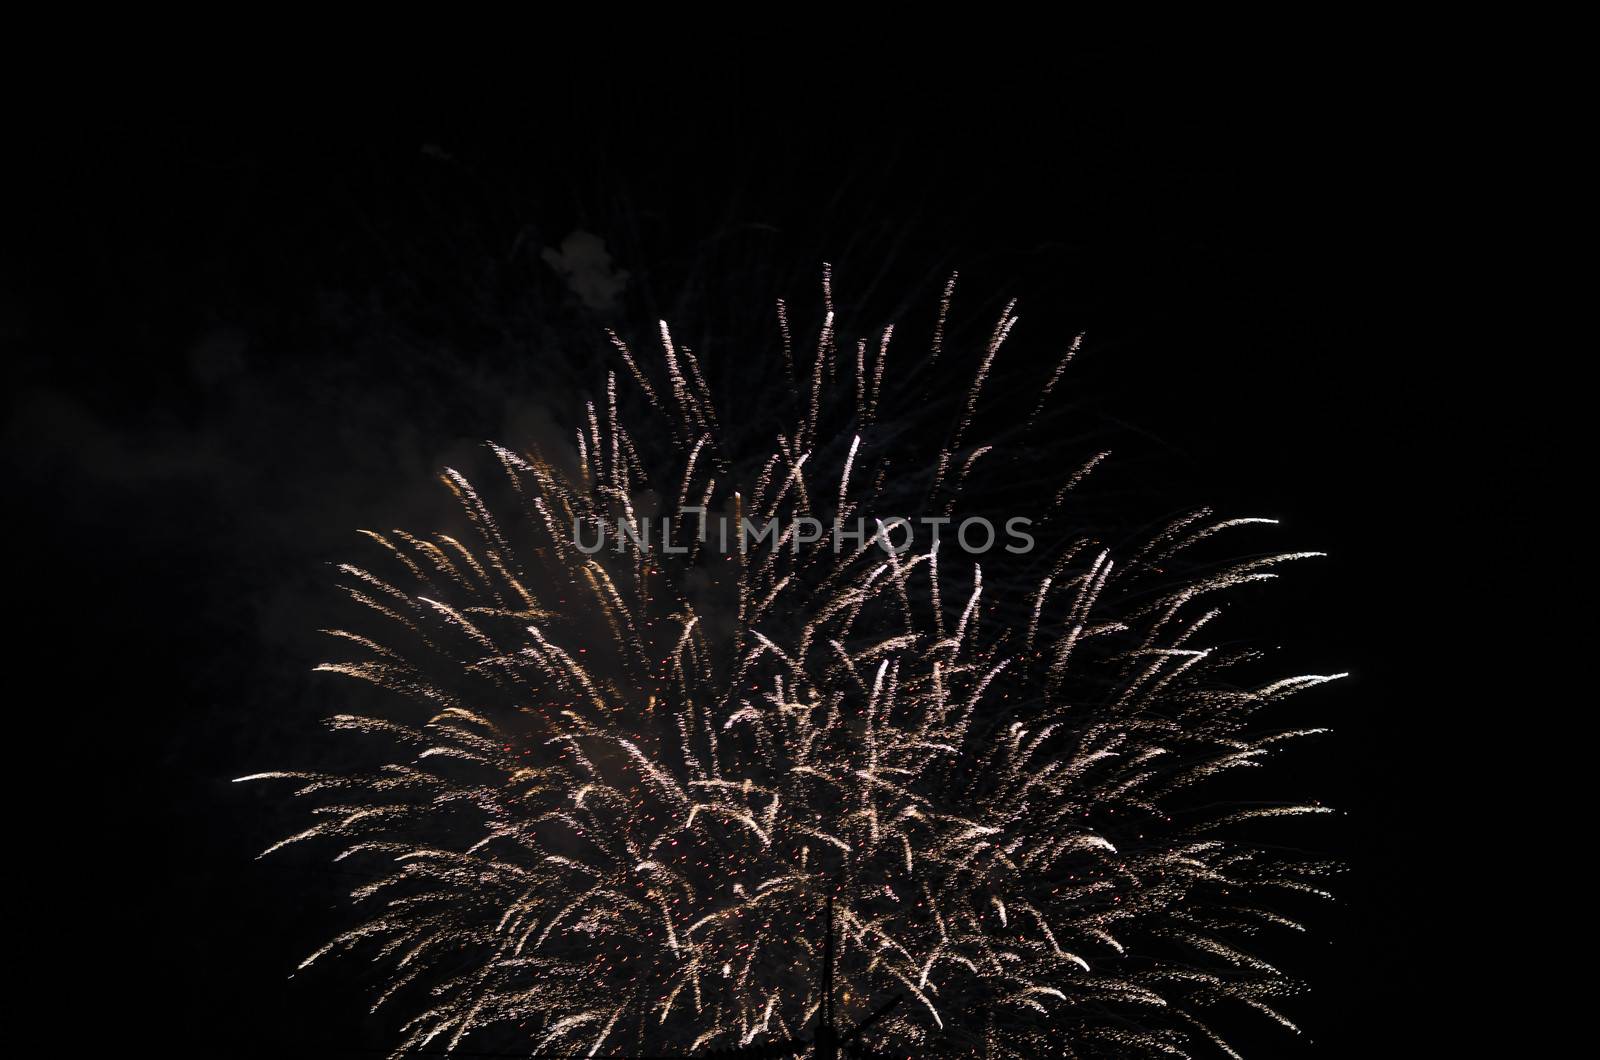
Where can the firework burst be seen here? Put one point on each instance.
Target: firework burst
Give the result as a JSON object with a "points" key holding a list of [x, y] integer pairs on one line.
{"points": [[613, 784]]}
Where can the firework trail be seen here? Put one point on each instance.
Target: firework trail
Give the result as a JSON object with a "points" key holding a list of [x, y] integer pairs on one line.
{"points": [[614, 784]]}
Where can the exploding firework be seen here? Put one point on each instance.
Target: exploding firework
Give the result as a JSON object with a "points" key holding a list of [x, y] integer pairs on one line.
{"points": [[617, 776]]}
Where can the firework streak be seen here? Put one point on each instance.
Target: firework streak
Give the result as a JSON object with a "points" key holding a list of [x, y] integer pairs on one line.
{"points": [[610, 789]]}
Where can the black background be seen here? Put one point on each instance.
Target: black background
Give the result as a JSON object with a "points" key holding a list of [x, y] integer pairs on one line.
{"points": [[240, 322]]}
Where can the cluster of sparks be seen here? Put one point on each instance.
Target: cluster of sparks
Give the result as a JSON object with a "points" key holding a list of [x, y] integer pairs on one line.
{"points": [[613, 788]]}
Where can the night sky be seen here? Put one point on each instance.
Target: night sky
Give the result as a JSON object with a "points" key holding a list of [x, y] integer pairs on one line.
{"points": [[241, 323]]}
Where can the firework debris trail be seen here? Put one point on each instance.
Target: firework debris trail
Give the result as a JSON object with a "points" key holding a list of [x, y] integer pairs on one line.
{"points": [[616, 782]]}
